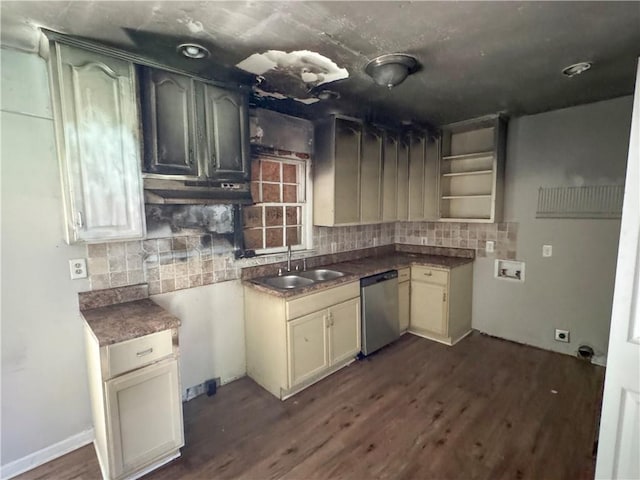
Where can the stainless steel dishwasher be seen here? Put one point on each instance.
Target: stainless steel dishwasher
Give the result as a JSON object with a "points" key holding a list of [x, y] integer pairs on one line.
{"points": [[379, 297]]}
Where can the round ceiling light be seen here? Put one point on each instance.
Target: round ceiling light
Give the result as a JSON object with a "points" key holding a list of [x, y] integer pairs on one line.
{"points": [[193, 50], [576, 69], [328, 95], [391, 69]]}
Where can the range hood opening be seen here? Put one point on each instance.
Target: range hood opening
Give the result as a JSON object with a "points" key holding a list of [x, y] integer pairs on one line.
{"points": [[195, 192]]}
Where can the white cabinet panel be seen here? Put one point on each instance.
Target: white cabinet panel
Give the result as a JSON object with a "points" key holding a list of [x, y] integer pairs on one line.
{"points": [[96, 121]]}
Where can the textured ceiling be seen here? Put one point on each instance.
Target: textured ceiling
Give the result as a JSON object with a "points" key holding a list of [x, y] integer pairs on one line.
{"points": [[476, 57]]}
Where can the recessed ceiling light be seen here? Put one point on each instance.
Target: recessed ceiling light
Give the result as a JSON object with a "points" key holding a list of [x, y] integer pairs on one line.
{"points": [[193, 50], [576, 69]]}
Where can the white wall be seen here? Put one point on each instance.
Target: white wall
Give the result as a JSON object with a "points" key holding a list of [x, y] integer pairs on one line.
{"points": [[212, 331], [573, 289], [45, 397]]}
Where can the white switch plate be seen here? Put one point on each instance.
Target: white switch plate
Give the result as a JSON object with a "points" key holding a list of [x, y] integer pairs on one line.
{"points": [[547, 250], [490, 246], [78, 268]]}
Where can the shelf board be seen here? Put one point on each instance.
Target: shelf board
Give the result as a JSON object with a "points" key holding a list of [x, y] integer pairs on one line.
{"points": [[471, 172], [456, 197], [468, 156]]}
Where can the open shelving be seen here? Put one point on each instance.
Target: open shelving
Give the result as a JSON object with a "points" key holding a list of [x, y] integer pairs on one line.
{"points": [[471, 170]]}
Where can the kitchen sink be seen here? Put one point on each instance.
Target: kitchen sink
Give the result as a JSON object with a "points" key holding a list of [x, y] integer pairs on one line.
{"points": [[286, 282], [321, 274]]}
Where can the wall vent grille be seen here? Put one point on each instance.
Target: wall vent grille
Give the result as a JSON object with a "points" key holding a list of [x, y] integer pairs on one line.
{"points": [[591, 201]]}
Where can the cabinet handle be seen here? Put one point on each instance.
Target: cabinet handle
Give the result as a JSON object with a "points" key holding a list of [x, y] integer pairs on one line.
{"points": [[190, 157], [144, 352], [428, 274], [444, 297], [79, 221]]}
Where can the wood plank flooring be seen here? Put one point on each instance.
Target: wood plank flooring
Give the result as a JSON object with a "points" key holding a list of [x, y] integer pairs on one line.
{"points": [[483, 409]]}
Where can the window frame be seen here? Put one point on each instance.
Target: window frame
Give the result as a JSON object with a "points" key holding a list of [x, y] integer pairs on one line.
{"points": [[305, 192]]}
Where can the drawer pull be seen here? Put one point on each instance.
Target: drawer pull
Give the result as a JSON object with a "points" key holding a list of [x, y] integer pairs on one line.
{"points": [[428, 274], [144, 352]]}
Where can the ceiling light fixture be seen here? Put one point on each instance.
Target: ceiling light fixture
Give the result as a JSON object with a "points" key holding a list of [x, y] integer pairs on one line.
{"points": [[328, 95], [193, 50], [391, 69], [576, 69]]}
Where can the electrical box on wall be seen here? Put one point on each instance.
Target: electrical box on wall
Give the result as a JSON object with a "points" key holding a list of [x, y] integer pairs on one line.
{"points": [[509, 270]]}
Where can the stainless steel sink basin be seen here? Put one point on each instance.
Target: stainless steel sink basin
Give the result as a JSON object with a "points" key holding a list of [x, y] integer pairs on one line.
{"points": [[286, 281], [321, 274]]}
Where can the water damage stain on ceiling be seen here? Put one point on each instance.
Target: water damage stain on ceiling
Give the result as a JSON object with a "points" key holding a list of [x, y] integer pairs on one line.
{"points": [[292, 75]]}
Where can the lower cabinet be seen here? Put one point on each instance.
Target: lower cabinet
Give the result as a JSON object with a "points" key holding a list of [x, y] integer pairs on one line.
{"points": [[441, 302], [404, 283], [292, 343], [137, 414]]}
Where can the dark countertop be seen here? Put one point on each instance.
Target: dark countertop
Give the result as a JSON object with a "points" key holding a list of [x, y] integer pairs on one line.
{"points": [[356, 269], [123, 321]]}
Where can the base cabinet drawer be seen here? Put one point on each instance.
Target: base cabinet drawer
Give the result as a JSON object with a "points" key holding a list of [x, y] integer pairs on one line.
{"points": [[138, 352]]}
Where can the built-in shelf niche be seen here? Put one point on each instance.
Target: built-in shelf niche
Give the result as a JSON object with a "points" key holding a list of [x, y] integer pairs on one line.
{"points": [[471, 170]]}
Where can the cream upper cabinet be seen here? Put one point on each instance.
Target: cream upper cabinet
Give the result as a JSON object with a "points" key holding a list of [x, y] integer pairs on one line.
{"points": [[294, 343], [97, 125], [417, 156], [403, 179], [390, 178], [371, 176], [472, 170], [336, 172], [441, 302]]}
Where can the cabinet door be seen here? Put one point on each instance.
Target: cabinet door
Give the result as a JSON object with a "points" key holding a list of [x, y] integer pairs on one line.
{"points": [[226, 128], [403, 306], [308, 352], [96, 119], [416, 177], [428, 307], [144, 416], [347, 172], [344, 331], [370, 176], [403, 179], [431, 168], [168, 102], [390, 178]]}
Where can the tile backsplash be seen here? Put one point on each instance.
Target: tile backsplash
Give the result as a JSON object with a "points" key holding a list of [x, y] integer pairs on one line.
{"points": [[179, 262]]}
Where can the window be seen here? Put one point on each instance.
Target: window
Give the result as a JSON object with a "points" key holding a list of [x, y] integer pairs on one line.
{"points": [[279, 216]]}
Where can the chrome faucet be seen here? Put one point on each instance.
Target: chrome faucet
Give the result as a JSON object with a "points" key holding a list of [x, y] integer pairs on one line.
{"points": [[288, 258]]}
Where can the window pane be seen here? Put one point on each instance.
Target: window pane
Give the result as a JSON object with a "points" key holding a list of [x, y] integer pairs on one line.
{"points": [[255, 170], [289, 173], [255, 192], [270, 172], [274, 237], [252, 217], [290, 194], [270, 193], [253, 238], [293, 215], [273, 216], [293, 236]]}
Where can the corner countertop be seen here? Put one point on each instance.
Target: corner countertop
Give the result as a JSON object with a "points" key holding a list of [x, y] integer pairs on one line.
{"points": [[354, 270], [117, 322]]}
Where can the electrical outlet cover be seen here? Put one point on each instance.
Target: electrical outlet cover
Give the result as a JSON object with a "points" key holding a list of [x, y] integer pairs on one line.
{"points": [[562, 335], [78, 268], [547, 250], [490, 246]]}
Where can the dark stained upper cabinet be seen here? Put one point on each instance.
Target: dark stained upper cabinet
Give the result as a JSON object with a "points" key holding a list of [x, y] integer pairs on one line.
{"points": [[226, 132], [193, 129], [168, 105]]}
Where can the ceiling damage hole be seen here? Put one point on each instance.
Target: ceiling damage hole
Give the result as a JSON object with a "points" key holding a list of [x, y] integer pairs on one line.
{"points": [[291, 75]]}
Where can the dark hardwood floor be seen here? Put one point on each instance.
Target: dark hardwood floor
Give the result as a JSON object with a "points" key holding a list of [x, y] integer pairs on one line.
{"points": [[483, 409]]}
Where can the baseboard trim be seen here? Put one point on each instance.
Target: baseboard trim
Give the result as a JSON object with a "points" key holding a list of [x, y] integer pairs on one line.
{"points": [[47, 454]]}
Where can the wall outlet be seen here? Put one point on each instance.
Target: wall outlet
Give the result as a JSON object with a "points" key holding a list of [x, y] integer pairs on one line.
{"points": [[423, 240], [562, 335], [490, 246], [78, 268], [334, 247], [547, 250]]}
